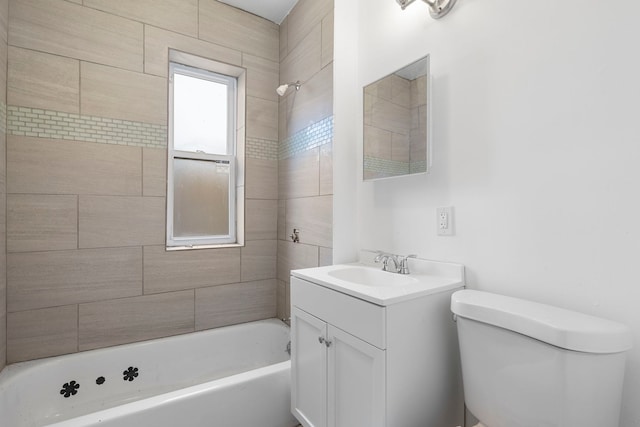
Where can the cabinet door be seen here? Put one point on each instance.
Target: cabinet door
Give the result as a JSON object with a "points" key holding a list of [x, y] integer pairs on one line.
{"points": [[308, 369], [356, 382]]}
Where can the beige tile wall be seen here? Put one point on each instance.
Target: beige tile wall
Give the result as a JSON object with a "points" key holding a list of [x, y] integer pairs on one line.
{"points": [[4, 14], [305, 182], [39, 222], [225, 25], [54, 278], [41, 80], [418, 149], [394, 127], [122, 94], [87, 267], [228, 304], [156, 50], [47, 166], [172, 271], [180, 16], [69, 30], [113, 221], [38, 333], [128, 320], [388, 118]]}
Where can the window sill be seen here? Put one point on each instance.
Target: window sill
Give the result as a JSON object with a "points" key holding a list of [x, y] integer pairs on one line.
{"points": [[196, 247]]}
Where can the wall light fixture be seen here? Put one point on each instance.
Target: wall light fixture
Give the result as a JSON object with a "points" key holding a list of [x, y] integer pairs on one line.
{"points": [[437, 8]]}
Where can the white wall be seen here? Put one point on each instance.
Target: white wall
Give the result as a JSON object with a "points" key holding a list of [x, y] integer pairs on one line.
{"points": [[345, 117], [536, 125]]}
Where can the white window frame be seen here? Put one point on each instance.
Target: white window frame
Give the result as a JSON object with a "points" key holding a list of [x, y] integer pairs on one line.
{"points": [[233, 238]]}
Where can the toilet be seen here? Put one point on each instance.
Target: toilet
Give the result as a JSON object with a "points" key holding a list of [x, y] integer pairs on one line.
{"points": [[526, 364]]}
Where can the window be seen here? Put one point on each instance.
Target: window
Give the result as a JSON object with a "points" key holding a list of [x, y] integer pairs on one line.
{"points": [[201, 192]]}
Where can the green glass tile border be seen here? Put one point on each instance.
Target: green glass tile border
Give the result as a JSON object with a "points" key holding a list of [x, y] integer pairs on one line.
{"points": [[261, 149], [385, 166], [36, 122], [310, 137]]}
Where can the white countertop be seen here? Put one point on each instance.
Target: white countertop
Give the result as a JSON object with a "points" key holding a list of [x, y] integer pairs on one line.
{"points": [[427, 277]]}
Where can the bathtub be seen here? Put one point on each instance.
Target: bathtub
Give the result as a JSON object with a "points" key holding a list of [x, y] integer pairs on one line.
{"points": [[235, 376]]}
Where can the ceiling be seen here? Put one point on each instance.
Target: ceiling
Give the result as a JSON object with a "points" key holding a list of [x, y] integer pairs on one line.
{"points": [[273, 10]]}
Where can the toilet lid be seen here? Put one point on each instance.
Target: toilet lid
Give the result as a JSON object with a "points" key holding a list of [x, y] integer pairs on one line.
{"points": [[559, 327]]}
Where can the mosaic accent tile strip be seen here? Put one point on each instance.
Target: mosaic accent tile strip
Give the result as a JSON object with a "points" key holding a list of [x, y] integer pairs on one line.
{"points": [[311, 137], [418, 167], [261, 149], [3, 117], [385, 166], [40, 123]]}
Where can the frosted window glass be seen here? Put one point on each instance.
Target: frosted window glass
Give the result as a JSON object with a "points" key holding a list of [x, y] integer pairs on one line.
{"points": [[200, 117], [201, 198]]}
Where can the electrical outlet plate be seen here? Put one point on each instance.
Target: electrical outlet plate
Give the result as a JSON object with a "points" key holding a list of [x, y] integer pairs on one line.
{"points": [[444, 221]]}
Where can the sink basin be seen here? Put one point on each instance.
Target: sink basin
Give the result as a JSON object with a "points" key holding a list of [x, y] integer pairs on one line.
{"points": [[367, 281], [369, 277]]}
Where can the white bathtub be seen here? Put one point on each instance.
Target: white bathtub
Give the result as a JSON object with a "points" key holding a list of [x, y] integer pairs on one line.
{"points": [[236, 376]]}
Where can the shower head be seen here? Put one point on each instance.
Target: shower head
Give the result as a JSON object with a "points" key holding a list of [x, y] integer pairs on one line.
{"points": [[282, 89]]}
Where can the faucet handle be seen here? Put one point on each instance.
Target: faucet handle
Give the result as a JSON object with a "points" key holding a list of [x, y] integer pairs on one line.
{"points": [[404, 263]]}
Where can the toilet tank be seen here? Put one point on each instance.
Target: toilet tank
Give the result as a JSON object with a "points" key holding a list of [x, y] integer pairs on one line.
{"points": [[526, 364]]}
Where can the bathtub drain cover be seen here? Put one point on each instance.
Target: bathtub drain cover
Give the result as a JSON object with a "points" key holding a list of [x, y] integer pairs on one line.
{"points": [[130, 374], [70, 389]]}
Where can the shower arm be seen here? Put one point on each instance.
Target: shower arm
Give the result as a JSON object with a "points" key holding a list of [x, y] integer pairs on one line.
{"points": [[283, 88], [295, 84]]}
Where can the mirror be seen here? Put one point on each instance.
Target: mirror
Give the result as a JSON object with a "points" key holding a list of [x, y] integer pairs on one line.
{"points": [[396, 123]]}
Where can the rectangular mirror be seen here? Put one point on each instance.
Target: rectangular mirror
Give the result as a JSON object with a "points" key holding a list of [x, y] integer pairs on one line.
{"points": [[396, 123]]}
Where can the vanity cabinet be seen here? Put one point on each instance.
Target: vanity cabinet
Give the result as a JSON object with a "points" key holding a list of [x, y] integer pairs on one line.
{"points": [[339, 378], [359, 364]]}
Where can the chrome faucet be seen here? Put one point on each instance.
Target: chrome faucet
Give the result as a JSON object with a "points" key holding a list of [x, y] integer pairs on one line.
{"points": [[385, 258], [400, 263], [404, 263]]}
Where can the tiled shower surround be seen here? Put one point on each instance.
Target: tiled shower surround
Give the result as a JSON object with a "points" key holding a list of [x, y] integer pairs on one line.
{"points": [[305, 173], [86, 161], [24, 121]]}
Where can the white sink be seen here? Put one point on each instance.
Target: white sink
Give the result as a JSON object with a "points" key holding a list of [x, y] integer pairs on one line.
{"points": [[368, 282], [367, 276]]}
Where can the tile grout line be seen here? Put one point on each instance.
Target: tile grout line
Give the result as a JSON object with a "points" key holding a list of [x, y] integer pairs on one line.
{"points": [[79, 87], [141, 171], [144, 46], [6, 215], [142, 275], [77, 328]]}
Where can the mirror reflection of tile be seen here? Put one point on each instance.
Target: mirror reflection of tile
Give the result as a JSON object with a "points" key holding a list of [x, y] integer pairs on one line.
{"points": [[395, 123]]}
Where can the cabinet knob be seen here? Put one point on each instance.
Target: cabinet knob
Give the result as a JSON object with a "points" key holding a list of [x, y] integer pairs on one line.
{"points": [[321, 340], [328, 343]]}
